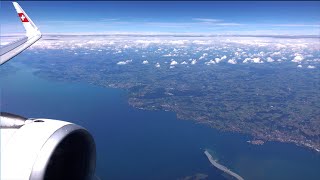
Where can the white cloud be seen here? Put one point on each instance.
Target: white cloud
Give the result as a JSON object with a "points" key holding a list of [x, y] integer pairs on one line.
{"points": [[201, 42], [261, 53], [203, 56], [253, 60], [192, 48], [269, 59], [184, 62], [257, 60], [178, 42], [299, 66], [232, 61], [239, 50], [311, 67], [173, 63], [246, 60], [121, 63], [275, 54], [124, 62], [157, 65], [210, 62], [298, 58], [145, 62]]}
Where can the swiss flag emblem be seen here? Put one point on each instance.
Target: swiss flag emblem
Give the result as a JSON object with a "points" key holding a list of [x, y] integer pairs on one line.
{"points": [[23, 17]]}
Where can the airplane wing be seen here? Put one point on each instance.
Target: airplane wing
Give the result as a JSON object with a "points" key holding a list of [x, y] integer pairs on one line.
{"points": [[32, 35], [38, 149]]}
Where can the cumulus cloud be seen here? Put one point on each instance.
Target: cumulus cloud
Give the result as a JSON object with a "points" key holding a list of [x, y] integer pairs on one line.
{"points": [[201, 42], [232, 61], [178, 42], [184, 62], [145, 62], [157, 65], [124, 62], [203, 56], [298, 58], [261, 53], [299, 66], [223, 57], [217, 60], [311, 67], [237, 54], [210, 62], [194, 61], [121, 63], [253, 60], [173, 63], [190, 49], [239, 49], [246, 60], [257, 60], [269, 59]]}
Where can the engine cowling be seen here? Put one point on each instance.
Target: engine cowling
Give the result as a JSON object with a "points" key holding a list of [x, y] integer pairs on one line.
{"points": [[36, 149]]}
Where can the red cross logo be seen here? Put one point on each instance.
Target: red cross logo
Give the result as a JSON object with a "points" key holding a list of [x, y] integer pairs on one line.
{"points": [[23, 17]]}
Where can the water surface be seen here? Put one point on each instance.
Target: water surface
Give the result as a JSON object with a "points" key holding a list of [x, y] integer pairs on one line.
{"points": [[138, 144]]}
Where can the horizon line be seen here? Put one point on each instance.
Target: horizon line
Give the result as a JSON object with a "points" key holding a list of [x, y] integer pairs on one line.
{"points": [[167, 34]]}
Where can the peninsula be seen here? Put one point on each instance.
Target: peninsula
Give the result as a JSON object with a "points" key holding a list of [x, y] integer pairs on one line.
{"points": [[221, 167]]}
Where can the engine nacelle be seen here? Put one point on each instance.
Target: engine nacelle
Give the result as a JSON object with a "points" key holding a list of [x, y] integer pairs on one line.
{"points": [[36, 149]]}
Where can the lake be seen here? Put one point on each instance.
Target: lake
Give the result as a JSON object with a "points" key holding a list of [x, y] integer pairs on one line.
{"points": [[138, 144]]}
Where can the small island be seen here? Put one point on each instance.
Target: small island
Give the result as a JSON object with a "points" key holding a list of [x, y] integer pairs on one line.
{"points": [[221, 167]]}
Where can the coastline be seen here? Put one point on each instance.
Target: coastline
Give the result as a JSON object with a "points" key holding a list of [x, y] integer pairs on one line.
{"points": [[221, 167]]}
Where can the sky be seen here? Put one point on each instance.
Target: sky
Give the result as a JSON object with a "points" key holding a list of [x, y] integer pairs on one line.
{"points": [[220, 18]]}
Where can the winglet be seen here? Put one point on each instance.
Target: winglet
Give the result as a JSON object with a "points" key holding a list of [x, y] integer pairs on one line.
{"points": [[31, 28], [33, 34]]}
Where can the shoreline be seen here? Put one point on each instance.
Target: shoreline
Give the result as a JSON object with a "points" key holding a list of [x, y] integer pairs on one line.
{"points": [[221, 167]]}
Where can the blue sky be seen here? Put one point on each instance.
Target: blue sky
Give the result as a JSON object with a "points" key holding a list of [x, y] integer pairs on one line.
{"points": [[250, 18]]}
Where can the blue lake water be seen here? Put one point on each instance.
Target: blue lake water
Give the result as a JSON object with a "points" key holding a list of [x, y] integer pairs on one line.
{"points": [[138, 144]]}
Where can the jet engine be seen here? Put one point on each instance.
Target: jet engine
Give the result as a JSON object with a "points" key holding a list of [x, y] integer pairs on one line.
{"points": [[45, 149]]}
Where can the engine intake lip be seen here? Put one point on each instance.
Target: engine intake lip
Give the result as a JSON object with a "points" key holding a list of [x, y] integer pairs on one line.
{"points": [[69, 153]]}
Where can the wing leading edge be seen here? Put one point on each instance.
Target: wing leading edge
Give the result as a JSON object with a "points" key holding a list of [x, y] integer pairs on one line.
{"points": [[32, 35]]}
